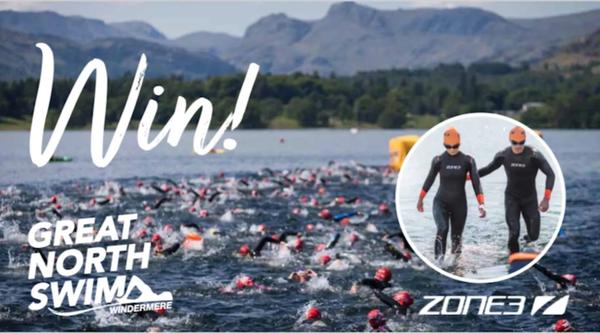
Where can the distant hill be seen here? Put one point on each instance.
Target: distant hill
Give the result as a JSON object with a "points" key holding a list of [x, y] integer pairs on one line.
{"points": [[583, 52], [140, 30], [348, 39], [214, 42], [19, 58]]}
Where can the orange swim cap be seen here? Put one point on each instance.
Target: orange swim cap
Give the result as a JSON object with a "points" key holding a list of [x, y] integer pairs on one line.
{"points": [[451, 137], [517, 134]]}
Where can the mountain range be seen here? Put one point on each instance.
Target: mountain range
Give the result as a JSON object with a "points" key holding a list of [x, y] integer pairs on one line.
{"points": [[348, 39]]}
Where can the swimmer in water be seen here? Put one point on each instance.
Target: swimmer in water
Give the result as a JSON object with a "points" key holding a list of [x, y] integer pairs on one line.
{"points": [[400, 301], [160, 250], [562, 281], [281, 239], [302, 276], [377, 321], [403, 252], [450, 202], [380, 281], [563, 325], [521, 164]]}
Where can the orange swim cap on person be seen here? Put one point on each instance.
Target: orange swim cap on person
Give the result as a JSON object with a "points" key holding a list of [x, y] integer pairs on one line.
{"points": [[451, 137], [517, 134]]}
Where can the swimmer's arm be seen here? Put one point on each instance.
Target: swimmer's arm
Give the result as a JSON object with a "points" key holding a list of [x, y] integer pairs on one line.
{"points": [[262, 243], [170, 250], [333, 241], [433, 171], [393, 235], [160, 202], [547, 170], [389, 301], [395, 252], [549, 274], [374, 284], [158, 189], [493, 166], [284, 235], [476, 182]]}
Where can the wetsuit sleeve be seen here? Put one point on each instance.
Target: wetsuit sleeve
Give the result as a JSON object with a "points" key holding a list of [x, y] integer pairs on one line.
{"points": [[263, 241], [389, 301], [284, 235], [551, 275], [395, 252], [475, 181], [333, 241], [547, 170], [493, 166], [433, 171], [171, 250], [374, 284]]}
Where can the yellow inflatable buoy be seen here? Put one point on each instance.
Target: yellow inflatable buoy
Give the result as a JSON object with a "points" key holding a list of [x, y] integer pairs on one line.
{"points": [[399, 148]]}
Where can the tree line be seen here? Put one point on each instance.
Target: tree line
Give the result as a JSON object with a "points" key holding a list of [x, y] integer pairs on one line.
{"points": [[388, 99]]}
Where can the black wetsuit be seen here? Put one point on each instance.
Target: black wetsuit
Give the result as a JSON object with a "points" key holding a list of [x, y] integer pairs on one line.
{"points": [[403, 240], [271, 239], [553, 276], [374, 284], [450, 202], [389, 301], [520, 196]]}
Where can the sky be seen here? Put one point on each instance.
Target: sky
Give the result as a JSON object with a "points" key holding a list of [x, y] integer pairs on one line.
{"points": [[176, 18]]}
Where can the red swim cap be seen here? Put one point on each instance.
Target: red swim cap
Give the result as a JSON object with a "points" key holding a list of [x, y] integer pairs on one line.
{"points": [[161, 311], [563, 325], [298, 243], [570, 277], [375, 313], [54, 199], [325, 259], [203, 213], [310, 227], [244, 282], [403, 298], [376, 319], [345, 221], [383, 274], [156, 238], [340, 200], [325, 214], [384, 208], [320, 247], [313, 313], [244, 250]]}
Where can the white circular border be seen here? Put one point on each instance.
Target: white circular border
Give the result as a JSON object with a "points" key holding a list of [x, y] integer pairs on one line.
{"points": [[558, 173]]}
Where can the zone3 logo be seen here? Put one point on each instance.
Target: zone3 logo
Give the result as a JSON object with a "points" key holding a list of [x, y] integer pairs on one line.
{"points": [[492, 305]]}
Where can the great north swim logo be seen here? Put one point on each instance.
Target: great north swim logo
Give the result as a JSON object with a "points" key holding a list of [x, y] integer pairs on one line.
{"points": [[121, 293]]}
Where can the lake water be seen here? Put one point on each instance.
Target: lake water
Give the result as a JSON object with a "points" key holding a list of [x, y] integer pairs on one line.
{"points": [[195, 281]]}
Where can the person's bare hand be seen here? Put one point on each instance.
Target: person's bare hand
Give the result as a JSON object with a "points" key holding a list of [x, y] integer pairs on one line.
{"points": [[544, 204], [420, 206]]}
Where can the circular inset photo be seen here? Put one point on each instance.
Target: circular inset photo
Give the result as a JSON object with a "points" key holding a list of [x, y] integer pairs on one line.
{"points": [[480, 197]]}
